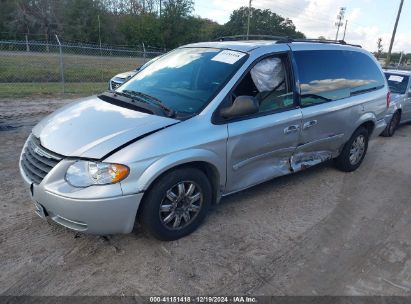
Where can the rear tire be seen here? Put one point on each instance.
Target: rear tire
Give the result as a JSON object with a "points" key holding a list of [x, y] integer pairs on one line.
{"points": [[176, 204], [353, 152], [392, 126]]}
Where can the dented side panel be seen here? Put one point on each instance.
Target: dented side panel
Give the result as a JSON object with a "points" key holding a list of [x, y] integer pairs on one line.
{"points": [[325, 129], [301, 161], [258, 149]]}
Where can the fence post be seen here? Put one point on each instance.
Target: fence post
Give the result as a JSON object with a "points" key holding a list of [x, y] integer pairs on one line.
{"points": [[61, 64], [144, 51], [27, 44]]}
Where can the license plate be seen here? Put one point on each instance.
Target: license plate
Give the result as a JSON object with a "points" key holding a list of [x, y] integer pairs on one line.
{"points": [[40, 210]]}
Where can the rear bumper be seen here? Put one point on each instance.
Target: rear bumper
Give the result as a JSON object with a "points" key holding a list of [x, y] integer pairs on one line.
{"points": [[388, 118], [101, 216]]}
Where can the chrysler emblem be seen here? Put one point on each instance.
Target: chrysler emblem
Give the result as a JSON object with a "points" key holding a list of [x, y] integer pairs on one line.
{"points": [[41, 152]]}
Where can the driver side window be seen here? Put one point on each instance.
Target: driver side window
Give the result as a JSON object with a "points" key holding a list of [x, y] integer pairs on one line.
{"points": [[268, 81]]}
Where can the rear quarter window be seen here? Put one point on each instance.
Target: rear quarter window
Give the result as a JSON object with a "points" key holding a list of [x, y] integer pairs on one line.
{"points": [[398, 83], [328, 75]]}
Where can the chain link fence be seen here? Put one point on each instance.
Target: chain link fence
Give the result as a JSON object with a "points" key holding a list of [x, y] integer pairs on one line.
{"points": [[30, 67]]}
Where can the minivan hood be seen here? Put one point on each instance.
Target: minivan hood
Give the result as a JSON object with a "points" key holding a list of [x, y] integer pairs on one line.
{"points": [[92, 128]]}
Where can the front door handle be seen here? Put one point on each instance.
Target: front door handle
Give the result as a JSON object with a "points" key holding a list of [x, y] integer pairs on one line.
{"points": [[309, 124], [291, 129]]}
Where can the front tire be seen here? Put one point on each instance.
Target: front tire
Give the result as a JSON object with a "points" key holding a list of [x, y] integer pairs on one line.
{"points": [[392, 126], [353, 152], [176, 204]]}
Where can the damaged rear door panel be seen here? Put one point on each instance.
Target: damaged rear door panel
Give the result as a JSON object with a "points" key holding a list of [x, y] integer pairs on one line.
{"points": [[332, 98]]}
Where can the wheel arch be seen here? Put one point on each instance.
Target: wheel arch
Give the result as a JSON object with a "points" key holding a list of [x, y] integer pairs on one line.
{"points": [[368, 121], [206, 161], [368, 125]]}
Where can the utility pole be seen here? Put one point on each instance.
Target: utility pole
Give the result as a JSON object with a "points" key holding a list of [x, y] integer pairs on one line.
{"points": [[345, 29], [339, 23], [387, 61], [248, 21]]}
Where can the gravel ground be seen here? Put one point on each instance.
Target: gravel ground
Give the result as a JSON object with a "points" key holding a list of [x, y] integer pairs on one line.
{"points": [[317, 232]]}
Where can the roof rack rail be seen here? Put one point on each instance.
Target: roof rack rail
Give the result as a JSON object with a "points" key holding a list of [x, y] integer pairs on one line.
{"points": [[282, 39], [255, 37], [323, 41]]}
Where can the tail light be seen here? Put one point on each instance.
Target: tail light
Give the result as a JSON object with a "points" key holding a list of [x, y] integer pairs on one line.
{"points": [[388, 99]]}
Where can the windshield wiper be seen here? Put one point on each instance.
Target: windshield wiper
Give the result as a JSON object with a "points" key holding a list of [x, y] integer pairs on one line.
{"points": [[151, 99]]}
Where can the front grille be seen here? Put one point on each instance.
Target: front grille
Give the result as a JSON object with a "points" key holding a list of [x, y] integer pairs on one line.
{"points": [[115, 85], [37, 161]]}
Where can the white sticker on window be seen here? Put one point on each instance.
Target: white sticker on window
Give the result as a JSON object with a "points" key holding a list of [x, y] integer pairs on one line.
{"points": [[395, 78], [229, 57]]}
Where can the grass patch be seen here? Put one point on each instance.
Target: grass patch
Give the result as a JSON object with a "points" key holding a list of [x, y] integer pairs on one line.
{"points": [[45, 67], [51, 89]]}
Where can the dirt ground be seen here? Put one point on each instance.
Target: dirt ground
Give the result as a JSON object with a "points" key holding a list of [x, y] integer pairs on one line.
{"points": [[317, 232]]}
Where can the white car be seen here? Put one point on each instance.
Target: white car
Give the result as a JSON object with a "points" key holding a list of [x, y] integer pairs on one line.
{"points": [[399, 111], [121, 78]]}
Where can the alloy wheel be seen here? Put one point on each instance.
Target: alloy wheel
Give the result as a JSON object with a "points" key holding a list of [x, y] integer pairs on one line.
{"points": [[357, 150], [181, 205]]}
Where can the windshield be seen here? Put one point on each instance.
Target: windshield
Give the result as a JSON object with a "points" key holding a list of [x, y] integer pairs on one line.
{"points": [[397, 83], [186, 79]]}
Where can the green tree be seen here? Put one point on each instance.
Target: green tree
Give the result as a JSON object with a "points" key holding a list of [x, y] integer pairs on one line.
{"points": [[175, 22], [143, 28], [80, 20], [130, 22], [262, 22], [38, 17], [8, 22]]}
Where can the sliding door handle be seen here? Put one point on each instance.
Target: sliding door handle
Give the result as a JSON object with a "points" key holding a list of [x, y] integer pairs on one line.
{"points": [[291, 129], [309, 124]]}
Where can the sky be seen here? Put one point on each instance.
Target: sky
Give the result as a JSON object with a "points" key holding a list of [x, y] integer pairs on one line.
{"points": [[367, 19]]}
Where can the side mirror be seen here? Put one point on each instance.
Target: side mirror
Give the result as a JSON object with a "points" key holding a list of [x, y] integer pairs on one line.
{"points": [[242, 106]]}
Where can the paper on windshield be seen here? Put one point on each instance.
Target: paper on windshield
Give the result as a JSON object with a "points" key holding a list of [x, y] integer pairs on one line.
{"points": [[395, 78], [229, 57]]}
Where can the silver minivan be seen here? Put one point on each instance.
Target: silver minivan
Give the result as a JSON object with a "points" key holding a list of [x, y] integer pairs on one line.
{"points": [[399, 83], [202, 122]]}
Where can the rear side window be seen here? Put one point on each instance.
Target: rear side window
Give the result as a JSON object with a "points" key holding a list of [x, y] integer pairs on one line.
{"points": [[331, 75]]}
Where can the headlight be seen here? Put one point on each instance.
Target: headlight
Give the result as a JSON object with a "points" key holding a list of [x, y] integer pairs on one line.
{"points": [[87, 173]]}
